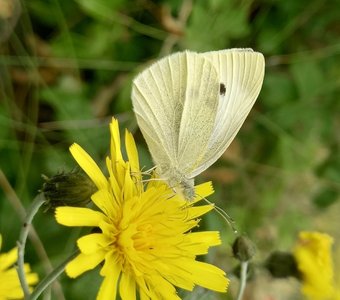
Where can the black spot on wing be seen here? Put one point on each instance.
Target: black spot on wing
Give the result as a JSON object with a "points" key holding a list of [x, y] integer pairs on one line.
{"points": [[222, 89]]}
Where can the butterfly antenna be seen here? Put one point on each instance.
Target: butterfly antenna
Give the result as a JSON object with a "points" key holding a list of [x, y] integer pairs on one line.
{"points": [[152, 179], [149, 171], [231, 222]]}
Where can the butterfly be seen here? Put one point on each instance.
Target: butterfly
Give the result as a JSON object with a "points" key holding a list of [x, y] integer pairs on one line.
{"points": [[190, 106]]}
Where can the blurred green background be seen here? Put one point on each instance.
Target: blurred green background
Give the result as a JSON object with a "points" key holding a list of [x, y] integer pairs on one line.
{"points": [[66, 67]]}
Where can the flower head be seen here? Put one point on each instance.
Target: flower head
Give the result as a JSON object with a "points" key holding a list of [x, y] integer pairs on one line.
{"points": [[145, 240], [314, 261], [10, 288]]}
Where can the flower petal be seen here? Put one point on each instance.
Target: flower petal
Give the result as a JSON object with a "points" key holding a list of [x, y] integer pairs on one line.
{"points": [[203, 190], [111, 261], [91, 243], [111, 271], [108, 288], [127, 287], [197, 211], [116, 153], [132, 153], [128, 185], [89, 166], [83, 263], [78, 216], [8, 259], [115, 188], [207, 275], [32, 278], [163, 288], [103, 199], [199, 242]]}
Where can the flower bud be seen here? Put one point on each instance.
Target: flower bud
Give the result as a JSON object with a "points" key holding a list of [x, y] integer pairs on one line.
{"points": [[74, 188], [243, 248], [282, 264]]}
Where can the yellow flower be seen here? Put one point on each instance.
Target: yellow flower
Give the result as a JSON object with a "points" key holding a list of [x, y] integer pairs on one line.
{"points": [[144, 240], [10, 287], [314, 260]]}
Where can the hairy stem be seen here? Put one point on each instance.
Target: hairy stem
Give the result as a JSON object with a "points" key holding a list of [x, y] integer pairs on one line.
{"points": [[38, 201], [51, 277], [243, 279], [37, 244]]}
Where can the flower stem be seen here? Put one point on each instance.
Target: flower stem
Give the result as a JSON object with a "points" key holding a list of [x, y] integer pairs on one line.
{"points": [[243, 279], [51, 277], [38, 201]]}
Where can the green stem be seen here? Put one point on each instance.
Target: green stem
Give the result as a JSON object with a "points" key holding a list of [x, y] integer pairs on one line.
{"points": [[243, 279], [51, 277], [38, 201]]}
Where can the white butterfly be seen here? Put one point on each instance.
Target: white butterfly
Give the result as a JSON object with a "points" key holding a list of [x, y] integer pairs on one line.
{"points": [[190, 106]]}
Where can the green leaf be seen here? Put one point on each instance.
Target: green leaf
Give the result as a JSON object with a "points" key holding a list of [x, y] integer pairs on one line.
{"points": [[278, 89], [100, 8], [308, 78], [214, 30]]}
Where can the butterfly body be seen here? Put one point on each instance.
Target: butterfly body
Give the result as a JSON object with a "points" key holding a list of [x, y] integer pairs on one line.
{"points": [[177, 180]]}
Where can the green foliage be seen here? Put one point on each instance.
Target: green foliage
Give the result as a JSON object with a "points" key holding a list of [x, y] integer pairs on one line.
{"points": [[215, 30], [67, 68], [326, 197]]}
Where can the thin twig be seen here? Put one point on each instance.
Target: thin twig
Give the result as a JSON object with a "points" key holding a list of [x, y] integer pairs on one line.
{"points": [[243, 279], [38, 201], [67, 63], [51, 277], [172, 39]]}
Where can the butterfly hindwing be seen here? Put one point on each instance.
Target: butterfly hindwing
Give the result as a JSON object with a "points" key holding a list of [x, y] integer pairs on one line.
{"points": [[241, 76]]}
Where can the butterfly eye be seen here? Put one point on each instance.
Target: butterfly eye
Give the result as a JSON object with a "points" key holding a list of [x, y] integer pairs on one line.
{"points": [[222, 89]]}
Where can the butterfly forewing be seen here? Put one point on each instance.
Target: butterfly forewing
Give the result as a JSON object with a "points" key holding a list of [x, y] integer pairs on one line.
{"points": [[157, 114]]}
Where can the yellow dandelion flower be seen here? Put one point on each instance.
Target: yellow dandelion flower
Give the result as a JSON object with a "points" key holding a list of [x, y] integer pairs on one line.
{"points": [[10, 287], [145, 240], [314, 260]]}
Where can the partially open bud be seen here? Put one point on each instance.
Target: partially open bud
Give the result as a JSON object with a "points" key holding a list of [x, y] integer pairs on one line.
{"points": [[282, 264], [243, 248], [74, 188]]}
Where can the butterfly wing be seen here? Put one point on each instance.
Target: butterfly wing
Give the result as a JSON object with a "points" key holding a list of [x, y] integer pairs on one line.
{"points": [[241, 76], [175, 102]]}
